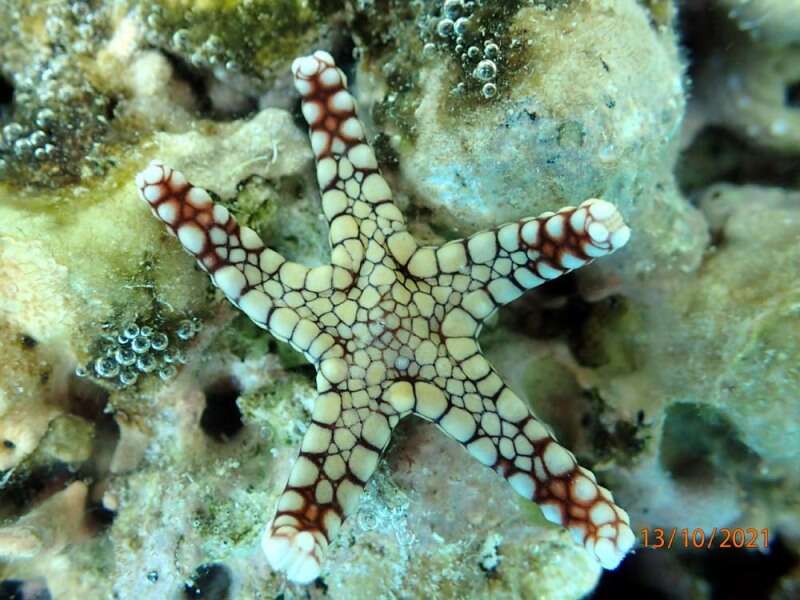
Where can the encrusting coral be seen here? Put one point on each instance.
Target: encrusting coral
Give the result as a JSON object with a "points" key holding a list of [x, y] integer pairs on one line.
{"points": [[391, 328]]}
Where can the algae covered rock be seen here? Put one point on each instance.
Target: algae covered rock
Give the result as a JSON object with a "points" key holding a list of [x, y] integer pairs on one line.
{"points": [[754, 90], [240, 38], [774, 22], [575, 115], [710, 364]]}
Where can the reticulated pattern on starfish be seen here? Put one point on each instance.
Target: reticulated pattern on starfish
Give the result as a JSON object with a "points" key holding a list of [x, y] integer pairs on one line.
{"points": [[392, 329]]}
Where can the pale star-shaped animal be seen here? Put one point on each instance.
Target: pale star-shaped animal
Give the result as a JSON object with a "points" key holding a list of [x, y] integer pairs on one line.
{"points": [[392, 329]]}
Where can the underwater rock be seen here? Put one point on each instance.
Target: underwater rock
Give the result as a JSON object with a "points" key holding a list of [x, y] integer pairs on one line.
{"points": [[58, 120], [754, 91], [708, 360], [577, 113], [247, 44], [773, 22]]}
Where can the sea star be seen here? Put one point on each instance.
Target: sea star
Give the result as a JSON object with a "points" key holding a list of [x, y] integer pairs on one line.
{"points": [[392, 329]]}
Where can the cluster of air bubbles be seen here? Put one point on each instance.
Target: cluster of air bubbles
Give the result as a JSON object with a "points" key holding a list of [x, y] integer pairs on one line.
{"points": [[478, 57], [53, 130], [136, 350], [201, 50]]}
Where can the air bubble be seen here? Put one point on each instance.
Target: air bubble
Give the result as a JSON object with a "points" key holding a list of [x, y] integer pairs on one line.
{"points": [[460, 26], [146, 363], [125, 356], [11, 132], [106, 367], [140, 344], [445, 28], [452, 8], [491, 50], [131, 330], [38, 138], [180, 39], [185, 330], [485, 70], [489, 90], [159, 342], [128, 377]]}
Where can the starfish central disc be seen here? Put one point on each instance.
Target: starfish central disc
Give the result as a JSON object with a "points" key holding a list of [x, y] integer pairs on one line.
{"points": [[392, 329]]}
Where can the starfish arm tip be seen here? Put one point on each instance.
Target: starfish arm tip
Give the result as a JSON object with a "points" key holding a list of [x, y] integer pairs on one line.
{"points": [[601, 225], [293, 552]]}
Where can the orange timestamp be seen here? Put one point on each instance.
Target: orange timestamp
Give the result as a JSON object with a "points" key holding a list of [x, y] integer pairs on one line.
{"points": [[659, 538]]}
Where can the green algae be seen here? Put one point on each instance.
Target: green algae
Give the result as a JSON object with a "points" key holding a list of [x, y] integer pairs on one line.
{"points": [[55, 130], [68, 439], [254, 38]]}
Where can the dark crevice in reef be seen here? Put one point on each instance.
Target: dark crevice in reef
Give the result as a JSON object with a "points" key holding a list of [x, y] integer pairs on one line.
{"points": [[793, 95], [699, 443], [699, 30], [717, 155], [209, 582], [6, 99], [18, 589], [194, 79], [221, 419], [739, 574], [28, 486], [199, 82], [720, 574]]}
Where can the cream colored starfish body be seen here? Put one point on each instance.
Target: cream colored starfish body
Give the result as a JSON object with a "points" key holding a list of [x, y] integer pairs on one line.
{"points": [[392, 329]]}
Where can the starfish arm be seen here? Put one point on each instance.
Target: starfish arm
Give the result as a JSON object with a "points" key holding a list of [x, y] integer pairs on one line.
{"points": [[501, 432], [272, 291], [494, 267], [356, 199], [340, 452]]}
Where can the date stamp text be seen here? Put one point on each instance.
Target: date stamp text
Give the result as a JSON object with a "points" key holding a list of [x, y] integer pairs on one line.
{"points": [[666, 538]]}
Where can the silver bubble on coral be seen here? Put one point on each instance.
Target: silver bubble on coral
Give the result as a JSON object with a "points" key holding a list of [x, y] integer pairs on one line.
{"points": [[140, 344], [106, 367], [146, 363], [125, 356], [452, 8], [485, 70], [445, 28], [159, 342], [128, 377], [185, 330]]}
